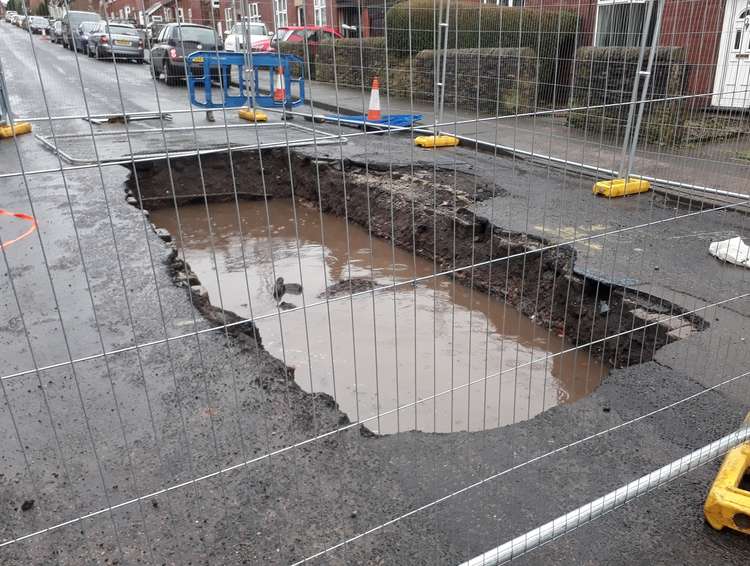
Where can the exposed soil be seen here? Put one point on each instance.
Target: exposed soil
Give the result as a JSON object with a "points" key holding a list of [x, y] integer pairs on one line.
{"points": [[419, 212]]}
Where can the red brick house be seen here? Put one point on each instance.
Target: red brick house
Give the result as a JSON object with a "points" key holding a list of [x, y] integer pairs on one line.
{"points": [[274, 13], [343, 15], [714, 33]]}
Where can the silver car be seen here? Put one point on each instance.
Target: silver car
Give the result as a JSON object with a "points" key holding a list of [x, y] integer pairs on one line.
{"points": [[37, 23], [115, 41]]}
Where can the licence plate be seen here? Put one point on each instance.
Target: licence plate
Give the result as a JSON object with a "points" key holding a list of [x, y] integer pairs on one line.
{"points": [[122, 42], [198, 60]]}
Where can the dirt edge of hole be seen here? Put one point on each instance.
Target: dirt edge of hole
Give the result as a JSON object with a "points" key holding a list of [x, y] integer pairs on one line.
{"points": [[532, 274]]}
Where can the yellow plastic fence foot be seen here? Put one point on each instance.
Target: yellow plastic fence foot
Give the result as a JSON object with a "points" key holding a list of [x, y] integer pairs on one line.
{"points": [[728, 501], [621, 187], [436, 141], [8, 131], [252, 115]]}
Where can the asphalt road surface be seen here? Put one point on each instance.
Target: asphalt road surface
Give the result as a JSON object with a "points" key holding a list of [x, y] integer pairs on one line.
{"points": [[81, 438]]}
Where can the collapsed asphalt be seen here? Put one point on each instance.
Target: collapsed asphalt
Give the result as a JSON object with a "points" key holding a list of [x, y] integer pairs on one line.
{"points": [[236, 402]]}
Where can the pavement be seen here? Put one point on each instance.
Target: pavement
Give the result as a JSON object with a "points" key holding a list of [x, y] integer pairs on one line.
{"points": [[102, 431], [716, 165]]}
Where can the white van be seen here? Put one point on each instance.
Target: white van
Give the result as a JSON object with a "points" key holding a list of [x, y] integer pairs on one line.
{"points": [[236, 36]]}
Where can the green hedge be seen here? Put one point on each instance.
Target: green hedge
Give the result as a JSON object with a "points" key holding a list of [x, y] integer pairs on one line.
{"points": [[549, 32], [296, 48]]}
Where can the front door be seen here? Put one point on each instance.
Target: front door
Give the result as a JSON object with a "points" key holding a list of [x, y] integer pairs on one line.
{"points": [[733, 68]]}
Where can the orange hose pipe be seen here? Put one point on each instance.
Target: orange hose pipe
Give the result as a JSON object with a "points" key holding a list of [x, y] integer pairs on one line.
{"points": [[22, 216]]}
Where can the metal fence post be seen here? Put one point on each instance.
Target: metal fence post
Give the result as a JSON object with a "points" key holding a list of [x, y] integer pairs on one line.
{"points": [[443, 39], [624, 171], [646, 83], [4, 106]]}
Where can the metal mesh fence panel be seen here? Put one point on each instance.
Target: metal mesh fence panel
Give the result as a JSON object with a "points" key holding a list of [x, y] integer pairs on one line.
{"points": [[362, 282]]}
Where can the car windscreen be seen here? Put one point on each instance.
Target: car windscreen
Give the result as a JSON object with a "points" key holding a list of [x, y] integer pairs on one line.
{"points": [[297, 34], [122, 30], [252, 29], [199, 35], [76, 18]]}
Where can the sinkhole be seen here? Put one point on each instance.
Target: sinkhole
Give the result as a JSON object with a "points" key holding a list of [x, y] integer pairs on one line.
{"points": [[506, 330]]}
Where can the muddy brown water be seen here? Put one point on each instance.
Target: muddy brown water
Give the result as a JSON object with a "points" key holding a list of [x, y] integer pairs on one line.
{"points": [[373, 351]]}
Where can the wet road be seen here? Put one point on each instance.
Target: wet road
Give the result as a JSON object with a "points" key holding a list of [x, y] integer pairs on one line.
{"points": [[128, 424]]}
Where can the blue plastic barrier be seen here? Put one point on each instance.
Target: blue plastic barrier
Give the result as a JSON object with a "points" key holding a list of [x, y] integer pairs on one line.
{"points": [[223, 61], [395, 120]]}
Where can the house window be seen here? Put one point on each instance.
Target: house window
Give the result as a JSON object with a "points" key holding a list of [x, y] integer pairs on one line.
{"points": [[190, 15], [180, 15], [228, 17], [254, 12], [300, 15], [167, 14], [281, 14], [504, 2], [620, 23], [319, 7]]}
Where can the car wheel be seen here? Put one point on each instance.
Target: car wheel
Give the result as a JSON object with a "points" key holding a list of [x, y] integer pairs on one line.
{"points": [[170, 76], [89, 53]]}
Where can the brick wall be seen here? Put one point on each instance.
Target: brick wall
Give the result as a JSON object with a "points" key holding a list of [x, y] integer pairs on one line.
{"points": [[605, 76], [487, 80]]}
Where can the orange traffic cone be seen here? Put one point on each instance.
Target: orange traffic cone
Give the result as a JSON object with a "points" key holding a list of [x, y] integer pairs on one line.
{"points": [[373, 111], [279, 94]]}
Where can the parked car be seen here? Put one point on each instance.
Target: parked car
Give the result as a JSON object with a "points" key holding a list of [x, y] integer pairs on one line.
{"points": [[235, 40], [9, 16], [297, 34], [55, 33], [20, 21], [71, 28], [36, 24], [177, 41], [118, 41]]}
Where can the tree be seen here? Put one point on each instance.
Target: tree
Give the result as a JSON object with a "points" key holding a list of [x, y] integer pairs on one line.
{"points": [[42, 9], [12, 6]]}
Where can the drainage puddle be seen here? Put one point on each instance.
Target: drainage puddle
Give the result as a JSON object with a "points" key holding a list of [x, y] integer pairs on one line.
{"points": [[432, 337]]}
